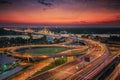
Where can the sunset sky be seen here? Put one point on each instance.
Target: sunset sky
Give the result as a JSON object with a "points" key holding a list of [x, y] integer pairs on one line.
{"points": [[60, 11]]}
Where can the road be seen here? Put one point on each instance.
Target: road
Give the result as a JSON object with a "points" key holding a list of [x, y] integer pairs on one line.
{"points": [[78, 69], [115, 73], [90, 71], [23, 75], [38, 66], [96, 66], [12, 50], [69, 69]]}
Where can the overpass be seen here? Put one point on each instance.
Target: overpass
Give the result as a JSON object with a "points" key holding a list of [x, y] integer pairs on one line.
{"points": [[41, 57], [66, 55], [105, 72], [14, 52], [67, 71]]}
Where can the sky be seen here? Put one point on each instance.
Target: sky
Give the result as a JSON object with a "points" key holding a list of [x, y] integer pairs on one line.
{"points": [[60, 11]]}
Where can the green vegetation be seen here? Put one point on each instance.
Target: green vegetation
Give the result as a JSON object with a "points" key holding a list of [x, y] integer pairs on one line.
{"points": [[52, 65], [51, 50]]}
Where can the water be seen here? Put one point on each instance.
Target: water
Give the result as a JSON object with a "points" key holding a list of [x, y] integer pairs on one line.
{"points": [[10, 72], [5, 59]]}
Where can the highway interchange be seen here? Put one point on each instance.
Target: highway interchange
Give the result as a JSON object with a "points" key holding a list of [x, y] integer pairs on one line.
{"points": [[77, 69]]}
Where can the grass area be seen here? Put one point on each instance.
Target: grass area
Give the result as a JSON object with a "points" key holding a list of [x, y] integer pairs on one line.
{"points": [[51, 50], [52, 65]]}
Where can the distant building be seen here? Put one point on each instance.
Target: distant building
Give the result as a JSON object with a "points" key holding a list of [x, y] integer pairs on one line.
{"points": [[28, 30], [49, 39], [102, 35], [46, 32], [37, 36], [76, 40], [64, 34]]}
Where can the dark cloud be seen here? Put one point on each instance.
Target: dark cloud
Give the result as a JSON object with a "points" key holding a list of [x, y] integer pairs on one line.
{"points": [[108, 4], [46, 2], [112, 22], [112, 4], [4, 2]]}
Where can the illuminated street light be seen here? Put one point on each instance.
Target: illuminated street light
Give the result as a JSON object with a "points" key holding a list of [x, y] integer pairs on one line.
{"points": [[77, 67], [44, 56]]}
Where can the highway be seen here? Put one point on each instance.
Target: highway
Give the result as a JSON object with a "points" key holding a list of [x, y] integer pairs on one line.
{"points": [[115, 73], [48, 74], [78, 69], [12, 50], [66, 71], [94, 67], [25, 74], [90, 69]]}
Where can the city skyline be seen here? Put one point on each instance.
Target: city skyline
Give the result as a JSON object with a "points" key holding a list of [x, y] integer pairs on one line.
{"points": [[80, 12]]}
